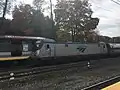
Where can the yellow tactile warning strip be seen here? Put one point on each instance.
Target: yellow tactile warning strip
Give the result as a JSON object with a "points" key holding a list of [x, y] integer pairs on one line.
{"points": [[115, 86], [13, 58]]}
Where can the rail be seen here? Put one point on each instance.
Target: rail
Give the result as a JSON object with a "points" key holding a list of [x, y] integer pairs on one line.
{"points": [[12, 74], [19, 73], [103, 84]]}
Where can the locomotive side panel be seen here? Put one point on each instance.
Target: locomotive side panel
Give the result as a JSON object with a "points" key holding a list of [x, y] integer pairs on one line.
{"points": [[79, 49], [47, 50], [71, 49], [91, 49], [67, 50]]}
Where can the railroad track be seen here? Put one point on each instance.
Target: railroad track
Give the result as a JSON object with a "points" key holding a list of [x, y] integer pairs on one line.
{"points": [[103, 84], [26, 74], [19, 73], [29, 71]]}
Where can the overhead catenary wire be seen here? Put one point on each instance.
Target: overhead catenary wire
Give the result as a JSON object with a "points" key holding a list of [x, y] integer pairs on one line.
{"points": [[103, 8], [116, 2]]}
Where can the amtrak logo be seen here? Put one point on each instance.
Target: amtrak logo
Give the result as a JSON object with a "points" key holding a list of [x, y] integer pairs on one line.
{"points": [[82, 48]]}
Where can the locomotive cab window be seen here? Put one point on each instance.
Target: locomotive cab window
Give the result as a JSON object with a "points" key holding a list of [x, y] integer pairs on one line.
{"points": [[103, 46], [47, 46]]}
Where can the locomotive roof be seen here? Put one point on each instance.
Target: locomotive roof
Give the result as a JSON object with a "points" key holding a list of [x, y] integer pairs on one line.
{"points": [[26, 38], [115, 45]]}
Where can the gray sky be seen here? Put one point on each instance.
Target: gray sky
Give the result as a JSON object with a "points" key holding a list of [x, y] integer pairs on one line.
{"points": [[106, 10]]}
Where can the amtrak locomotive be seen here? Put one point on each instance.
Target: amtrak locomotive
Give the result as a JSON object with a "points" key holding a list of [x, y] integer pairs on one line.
{"points": [[19, 47]]}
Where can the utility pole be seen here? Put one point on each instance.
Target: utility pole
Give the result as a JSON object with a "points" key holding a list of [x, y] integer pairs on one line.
{"points": [[5, 8], [52, 22], [53, 27], [51, 10]]}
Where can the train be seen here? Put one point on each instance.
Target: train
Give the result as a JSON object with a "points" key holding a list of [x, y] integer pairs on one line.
{"points": [[25, 47], [50, 50]]}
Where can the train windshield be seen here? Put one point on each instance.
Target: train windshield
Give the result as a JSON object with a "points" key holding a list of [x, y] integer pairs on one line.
{"points": [[39, 44]]}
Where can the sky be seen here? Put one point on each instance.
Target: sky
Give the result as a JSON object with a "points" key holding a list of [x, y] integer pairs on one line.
{"points": [[109, 15], [106, 10]]}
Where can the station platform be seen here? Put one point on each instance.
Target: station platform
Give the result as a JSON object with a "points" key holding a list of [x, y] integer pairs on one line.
{"points": [[13, 58], [115, 86]]}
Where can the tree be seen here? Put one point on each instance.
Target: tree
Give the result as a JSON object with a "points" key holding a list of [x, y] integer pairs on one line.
{"points": [[105, 39], [4, 7], [5, 26], [38, 22], [50, 30], [9, 5], [63, 36], [38, 4], [42, 25], [31, 21], [74, 16], [22, 15]]}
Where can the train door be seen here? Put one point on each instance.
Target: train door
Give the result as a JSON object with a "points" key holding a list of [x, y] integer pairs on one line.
{"points": [[102, 47], [48, 50], [108, 48], [44, 49]]}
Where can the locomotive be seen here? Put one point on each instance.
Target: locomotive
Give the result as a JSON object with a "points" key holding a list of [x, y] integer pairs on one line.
{"points": [[77, 49], [24, 47]]}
